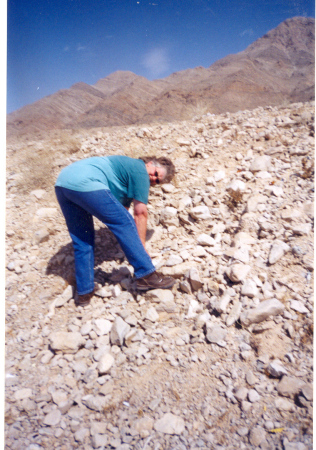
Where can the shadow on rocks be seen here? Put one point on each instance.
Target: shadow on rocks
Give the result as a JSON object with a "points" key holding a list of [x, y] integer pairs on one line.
{"points": [[106, 249]]}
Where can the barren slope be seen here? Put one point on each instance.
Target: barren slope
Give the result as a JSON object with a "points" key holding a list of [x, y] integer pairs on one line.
{"points": [[276, 69]]}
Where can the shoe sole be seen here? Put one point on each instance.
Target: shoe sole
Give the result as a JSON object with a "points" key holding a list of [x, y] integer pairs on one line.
{"points": [[148, 288]]}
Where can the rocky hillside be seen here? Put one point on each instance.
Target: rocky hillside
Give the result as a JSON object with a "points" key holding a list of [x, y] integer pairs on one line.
{"points": [[276, 69], [225, 359]]}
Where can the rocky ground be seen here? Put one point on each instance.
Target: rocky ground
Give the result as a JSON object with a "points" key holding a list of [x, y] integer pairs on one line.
{"points": [[225, 359]]}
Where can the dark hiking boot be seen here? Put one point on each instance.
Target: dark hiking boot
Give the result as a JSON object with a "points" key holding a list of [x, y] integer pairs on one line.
{"points": [[83, 300], [154, 281]]}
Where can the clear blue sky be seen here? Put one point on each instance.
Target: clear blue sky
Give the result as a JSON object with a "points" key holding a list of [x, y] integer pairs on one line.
{"points": [[52, 44]]}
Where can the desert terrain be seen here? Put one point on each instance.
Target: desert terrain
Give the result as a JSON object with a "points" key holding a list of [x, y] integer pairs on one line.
{"points": [[225, 359]]}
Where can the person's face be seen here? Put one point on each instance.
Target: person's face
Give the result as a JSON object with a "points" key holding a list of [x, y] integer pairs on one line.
{"points": [[156, 174]]}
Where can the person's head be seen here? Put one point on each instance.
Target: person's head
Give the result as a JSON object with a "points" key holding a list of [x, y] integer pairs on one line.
{"points": [[160, 169]]}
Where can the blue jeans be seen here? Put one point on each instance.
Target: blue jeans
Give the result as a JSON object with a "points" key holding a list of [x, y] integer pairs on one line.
{"points": [[78, 209]]}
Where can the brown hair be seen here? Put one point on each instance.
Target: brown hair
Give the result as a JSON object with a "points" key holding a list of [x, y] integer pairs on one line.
{"points": [[164, 162]]}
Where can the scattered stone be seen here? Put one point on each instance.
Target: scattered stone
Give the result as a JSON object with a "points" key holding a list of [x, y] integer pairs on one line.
{"points": [[105, 363], [239, 243], [238, 272], [289, 386], [262, 312], [276, 370], [64, 342], [170, 424], [52, 418], [278, 250], [200, 213], [96, 403], [253, 396], [118, 331], [298, 306], [283, 404], [215, 334], [257, 436], [22, 394], [261, 163]]}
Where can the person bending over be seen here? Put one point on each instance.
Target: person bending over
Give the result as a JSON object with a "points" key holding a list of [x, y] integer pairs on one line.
{"points": [[105, 187]]}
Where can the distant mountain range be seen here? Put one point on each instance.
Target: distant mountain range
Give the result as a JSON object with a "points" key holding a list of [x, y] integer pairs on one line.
{"points": [[276, 69]]}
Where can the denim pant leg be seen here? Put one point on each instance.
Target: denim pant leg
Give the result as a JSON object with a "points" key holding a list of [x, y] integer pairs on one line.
{"points": [[103, 205], [81, 230]]}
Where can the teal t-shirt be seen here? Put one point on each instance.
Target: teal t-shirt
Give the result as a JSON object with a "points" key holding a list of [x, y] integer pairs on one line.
{"points": [[127, 178]]}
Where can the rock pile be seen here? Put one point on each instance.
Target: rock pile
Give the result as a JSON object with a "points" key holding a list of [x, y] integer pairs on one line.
{"points": [[224, 360]]}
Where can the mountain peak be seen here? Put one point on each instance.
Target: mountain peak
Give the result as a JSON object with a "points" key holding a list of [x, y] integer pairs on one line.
{"points": [[275, 69]]}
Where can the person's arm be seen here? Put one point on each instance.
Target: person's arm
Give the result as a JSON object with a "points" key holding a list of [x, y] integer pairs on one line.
{"points": [[140, 217]]}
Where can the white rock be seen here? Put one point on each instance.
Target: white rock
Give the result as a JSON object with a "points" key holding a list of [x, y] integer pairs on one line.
{"points": [[200, 251], [256, 436], [215, 334], [234, 314], [183, 142], [64, 297], [277, 251], [176, 271], [194, 306], [277, 191], [254, 201], [21, 394], [46, 212], [105, 364], [168, 188], [86, 328], [282, 404], [238, 272], [185, 254], [205, 239], [100, 440], [276, 369], [260, 163], [170, 424], [263, 175], [243, 238], [302, 229], [220, 175], [265, 309], [168, 216], [52, 418], [40, 236], [160, 295], [298, 306], [249, 289], [118, 331], [185, 202], [59, 397], [194, 279], [173, 260], [152, 315], [241, 394], [81, 434], [143, 424], [242, 254], [200, 212], [96, 403], [290, 214], [38, 193], [102, 326], [103, 292], [115, 290], [236, 186], [253, 396], [223, 302], [62, 341]]}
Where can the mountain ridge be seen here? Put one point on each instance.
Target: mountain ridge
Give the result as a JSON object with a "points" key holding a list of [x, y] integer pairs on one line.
{"points": [[276, 68]]}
